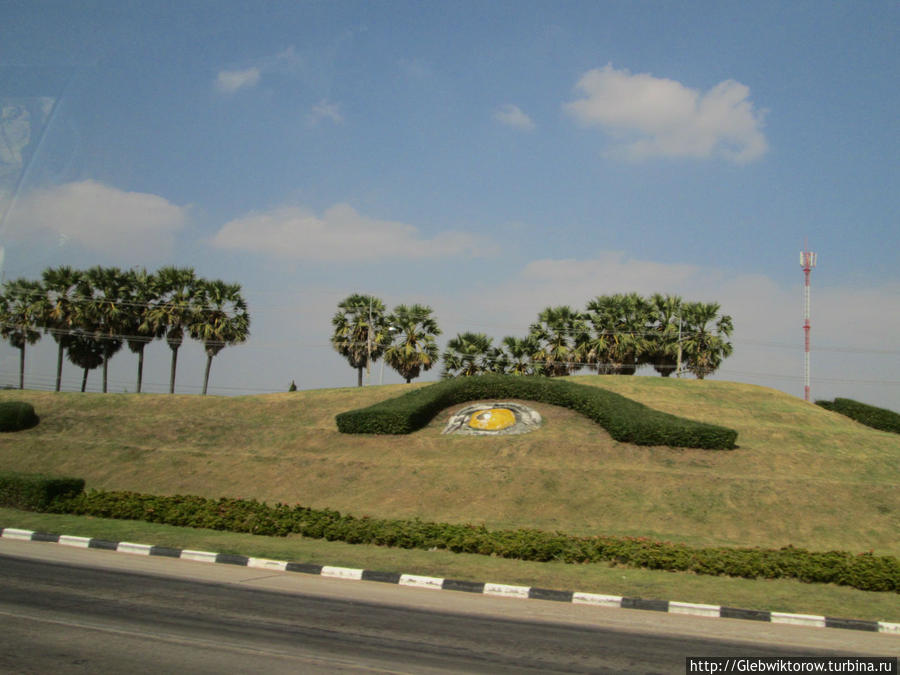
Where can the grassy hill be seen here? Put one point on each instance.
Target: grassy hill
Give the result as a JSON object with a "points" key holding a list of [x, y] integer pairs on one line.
{"points": [[801, 474]]}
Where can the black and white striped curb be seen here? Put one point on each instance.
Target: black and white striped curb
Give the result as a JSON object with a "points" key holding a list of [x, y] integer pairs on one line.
{"points": [[435, 583]]}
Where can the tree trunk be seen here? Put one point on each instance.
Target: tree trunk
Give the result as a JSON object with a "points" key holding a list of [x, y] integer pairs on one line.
{"points": [[140, 367], [59, 366], [206, 375], [83, 381], [105, 371], [359, 377], [22, 366], [172, 371], [408, 380]]}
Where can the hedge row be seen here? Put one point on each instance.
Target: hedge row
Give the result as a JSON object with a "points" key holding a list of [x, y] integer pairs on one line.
{"points": [[877, 418], [17, 415], [627, 421], [866, 571], [36, 492]]}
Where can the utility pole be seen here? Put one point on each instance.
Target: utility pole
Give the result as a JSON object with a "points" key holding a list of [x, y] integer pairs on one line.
{"points": [[678, 368], [369, 343], [808, 262]]}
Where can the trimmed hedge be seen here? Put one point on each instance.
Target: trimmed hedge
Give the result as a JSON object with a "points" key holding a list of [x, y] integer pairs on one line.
{"points": [[877, 418], [36, 492], [626, 421], [865, 571], [17, 415]]}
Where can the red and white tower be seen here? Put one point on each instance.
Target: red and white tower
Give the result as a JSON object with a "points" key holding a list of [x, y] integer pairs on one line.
{"points": [[808, 261]]}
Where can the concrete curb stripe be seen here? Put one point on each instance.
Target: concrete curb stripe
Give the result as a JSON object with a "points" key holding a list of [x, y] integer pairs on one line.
{"points": [[598, 600], [199, 556], [421, 582], [749, 614], [505, 591], [435, 583], [342, 573], [137, 549], [549, 594], [303, 568], [798, 619], [693, 609], [464, 586], [266, 564], [43, 536], [852, 624]]}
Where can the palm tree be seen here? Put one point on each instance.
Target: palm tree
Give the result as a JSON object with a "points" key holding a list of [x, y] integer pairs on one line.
{"points": [[361, 332], [704, 350], [663, 338], [467, 354], [513, 357], [140, 329], [59, 309], [416, 349], [20, 313], [85, 351], [173, 310], [220, 320], [619, 340], [102, 293], [561, 336]]}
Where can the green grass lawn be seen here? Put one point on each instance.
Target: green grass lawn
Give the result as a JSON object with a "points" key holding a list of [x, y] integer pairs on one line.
{"points": [[801, 475]]}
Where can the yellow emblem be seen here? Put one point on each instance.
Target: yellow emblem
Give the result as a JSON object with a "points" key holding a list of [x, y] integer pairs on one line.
{"points": [[493, 419]]}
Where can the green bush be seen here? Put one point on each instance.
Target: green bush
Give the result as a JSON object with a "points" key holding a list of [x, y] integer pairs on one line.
{"points": [[36, 492], [866, 572], [877, 418], [17, 415], [626, 420]]}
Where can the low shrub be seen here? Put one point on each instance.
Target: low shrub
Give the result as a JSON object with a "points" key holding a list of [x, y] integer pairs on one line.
{"points": [[877, 418], [626, 421], [17, 415], [866, 572], [36, 492]]}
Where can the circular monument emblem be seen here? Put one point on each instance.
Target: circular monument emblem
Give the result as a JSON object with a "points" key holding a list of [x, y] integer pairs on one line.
{"points": [[493, 419]]}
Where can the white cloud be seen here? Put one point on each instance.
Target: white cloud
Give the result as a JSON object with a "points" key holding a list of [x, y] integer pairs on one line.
{"points": [[339, 234], [229, 81], [325, 110], [649, 116], [512, 116], [100, 218]]}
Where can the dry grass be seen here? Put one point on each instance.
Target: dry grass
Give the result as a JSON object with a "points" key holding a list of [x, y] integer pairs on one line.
{"points": [[801, 475]]}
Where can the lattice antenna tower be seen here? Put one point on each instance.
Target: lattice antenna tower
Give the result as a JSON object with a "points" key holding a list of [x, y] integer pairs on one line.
{"points": [[808, 262]]}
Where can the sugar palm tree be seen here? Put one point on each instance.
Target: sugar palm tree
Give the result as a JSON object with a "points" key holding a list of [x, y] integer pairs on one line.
{"points": [[414, 348], [514, 356], [561, 335], [361, 332], [467, 354], [704, 350], [102, 294], [59, 309], [140, 329], [20, 313], [85, 351], [662, 350], [173, 309], [619, 340], [221, 319]]}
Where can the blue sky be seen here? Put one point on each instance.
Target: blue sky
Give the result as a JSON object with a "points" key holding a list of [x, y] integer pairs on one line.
{"points": [[487, 159]]}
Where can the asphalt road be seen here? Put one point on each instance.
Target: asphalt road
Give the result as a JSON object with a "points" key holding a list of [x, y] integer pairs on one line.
{"points": [[92, 611]]}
